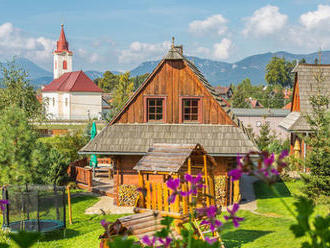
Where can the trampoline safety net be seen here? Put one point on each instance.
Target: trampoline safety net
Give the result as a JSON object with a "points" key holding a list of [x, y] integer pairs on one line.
{"points": [[34, 208]]}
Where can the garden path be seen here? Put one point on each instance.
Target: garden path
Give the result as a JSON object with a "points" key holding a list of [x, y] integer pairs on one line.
{"points": [[106, 206], [248, 201]]}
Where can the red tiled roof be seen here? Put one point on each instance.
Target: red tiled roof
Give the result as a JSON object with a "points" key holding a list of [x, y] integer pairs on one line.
{"points": [[288, 106], [76, 81], [222, 90]]}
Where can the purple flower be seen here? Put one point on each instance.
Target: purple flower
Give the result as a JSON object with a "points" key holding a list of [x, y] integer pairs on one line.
{"points": [[173, 184], [283, 154], [165, 242], [105, 224], [269, 160], [211, 213], [232, 216], [235, 174], [196, 182], [211, 240], [149, 242], [3, 203]]}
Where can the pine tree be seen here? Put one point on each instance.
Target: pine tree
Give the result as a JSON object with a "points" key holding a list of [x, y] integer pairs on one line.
{"points": [[318, 157], [264, 138], [17, 140]]}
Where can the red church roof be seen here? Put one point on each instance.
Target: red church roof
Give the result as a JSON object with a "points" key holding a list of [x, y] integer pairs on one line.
{"points": [[62, 44], [76, 81]]}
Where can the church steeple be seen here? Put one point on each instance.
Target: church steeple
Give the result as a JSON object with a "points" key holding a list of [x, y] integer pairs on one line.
{"points": [[62, 56], [62, 44]]}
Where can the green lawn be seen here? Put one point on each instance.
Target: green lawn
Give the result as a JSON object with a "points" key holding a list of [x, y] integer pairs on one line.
{"points": [[84, 231], [270, 228]]}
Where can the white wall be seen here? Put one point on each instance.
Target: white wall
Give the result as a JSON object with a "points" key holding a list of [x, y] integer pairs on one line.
{"points": [[58, 59], [50, 101], [86, 104]]}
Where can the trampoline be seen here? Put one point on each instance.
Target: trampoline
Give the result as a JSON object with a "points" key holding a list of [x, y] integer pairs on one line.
{"points": [[34, 208]]}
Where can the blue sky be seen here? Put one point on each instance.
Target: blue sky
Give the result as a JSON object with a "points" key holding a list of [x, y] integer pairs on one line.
{"points": [[118, 35]]}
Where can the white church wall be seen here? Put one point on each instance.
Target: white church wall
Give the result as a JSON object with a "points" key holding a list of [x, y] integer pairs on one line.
{"points": [[58, 64], [51, 100], [86, 105]]}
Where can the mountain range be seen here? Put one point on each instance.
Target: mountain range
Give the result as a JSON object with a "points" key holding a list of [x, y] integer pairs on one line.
{"points": [[216, 72]]}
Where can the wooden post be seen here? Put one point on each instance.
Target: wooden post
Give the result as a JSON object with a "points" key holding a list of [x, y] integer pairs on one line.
{"points": [[230, 191], [69, 204], [159, 196], [117, 186], [177, 200], [154, 195], [148, 195], [207, 189], [185, 199], [212, 190], [141, 186], [236, 191], [189, 187], [165, 192]]}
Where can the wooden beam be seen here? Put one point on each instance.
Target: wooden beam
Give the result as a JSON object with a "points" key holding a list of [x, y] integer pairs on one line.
{"points": [[160, 196], [207, 189]]}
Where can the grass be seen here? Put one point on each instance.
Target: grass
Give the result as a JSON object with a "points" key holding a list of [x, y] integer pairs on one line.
{"points": [[269, 228], [84, 231]]}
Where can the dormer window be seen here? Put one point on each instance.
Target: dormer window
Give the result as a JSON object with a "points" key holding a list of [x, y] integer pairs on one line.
{"points": [[191, 109], [154, 109]]}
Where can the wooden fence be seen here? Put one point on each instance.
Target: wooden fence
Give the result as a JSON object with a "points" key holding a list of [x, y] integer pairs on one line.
{"points": [[81, 174]]}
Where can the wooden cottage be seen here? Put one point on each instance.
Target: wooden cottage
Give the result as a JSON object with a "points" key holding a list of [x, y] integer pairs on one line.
{"points": [[305, 86], [174, 105]]}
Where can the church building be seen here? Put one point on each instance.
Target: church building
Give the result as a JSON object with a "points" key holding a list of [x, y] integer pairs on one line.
{"points": [[72, 95]]}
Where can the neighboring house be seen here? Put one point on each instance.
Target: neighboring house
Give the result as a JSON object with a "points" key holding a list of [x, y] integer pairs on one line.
{"points": [[305, 86], [254, 118], [174, 105], [225, 92], [254, 103], [288, 106], [106, 104], [71, 95]]}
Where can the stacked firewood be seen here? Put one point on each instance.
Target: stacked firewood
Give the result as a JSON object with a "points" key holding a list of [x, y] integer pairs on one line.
{"points": [[220, 189], [127, 195]]}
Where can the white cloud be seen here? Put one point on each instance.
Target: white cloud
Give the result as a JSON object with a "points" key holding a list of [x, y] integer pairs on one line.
{"points": [[215, 24], [138, 52], [13, 41], [316, 19], [265, 21], [221, 50]]}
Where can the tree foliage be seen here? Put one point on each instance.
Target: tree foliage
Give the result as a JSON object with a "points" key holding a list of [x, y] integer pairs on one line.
{"points": [[108, 82], [17, 139], [318, 157], [278, 71], [16, 90], [271, 96], [122, 91]]}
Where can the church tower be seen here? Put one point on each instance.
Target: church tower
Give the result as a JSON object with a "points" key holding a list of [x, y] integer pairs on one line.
{"points": [[62, 56]]}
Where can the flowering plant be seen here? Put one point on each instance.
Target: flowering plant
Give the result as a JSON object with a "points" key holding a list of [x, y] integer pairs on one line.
{"points": [[267, 168]]}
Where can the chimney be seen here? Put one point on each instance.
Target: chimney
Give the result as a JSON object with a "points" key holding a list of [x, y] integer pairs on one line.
{"points": [[179, 49]]}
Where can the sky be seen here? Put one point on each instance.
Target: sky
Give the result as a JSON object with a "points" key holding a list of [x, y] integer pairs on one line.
{"points": [[119, 35]]}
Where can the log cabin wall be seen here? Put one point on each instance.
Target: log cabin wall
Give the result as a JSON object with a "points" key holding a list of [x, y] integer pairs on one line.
{"points": [[173, 80]]}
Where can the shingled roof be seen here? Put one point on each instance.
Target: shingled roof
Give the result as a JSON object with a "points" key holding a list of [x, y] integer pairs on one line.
{"points": [[218, 140], [308, 87], [158, 158]]}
